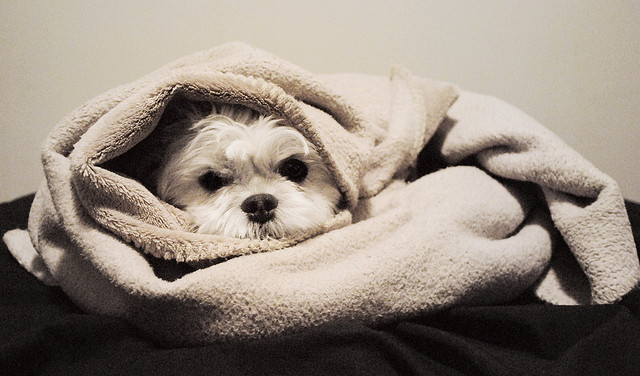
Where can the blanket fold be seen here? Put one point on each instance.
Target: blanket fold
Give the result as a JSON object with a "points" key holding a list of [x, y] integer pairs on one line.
{"points": [[515, 209]]}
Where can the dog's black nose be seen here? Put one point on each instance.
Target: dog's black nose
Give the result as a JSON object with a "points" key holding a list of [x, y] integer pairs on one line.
{"points": [[260, 208]]}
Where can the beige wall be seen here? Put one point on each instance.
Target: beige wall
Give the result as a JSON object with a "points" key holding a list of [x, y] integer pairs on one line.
{"points": [[573, 65]]}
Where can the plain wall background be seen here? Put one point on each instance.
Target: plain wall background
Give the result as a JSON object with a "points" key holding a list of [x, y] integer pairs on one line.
{"points": [[572, 65]]}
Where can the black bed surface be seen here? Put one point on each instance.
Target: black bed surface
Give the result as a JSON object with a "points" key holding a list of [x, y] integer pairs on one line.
{"points": [[42, 332]]}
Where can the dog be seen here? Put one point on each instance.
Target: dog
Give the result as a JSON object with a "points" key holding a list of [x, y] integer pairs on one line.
{"points": [[242, 174]]}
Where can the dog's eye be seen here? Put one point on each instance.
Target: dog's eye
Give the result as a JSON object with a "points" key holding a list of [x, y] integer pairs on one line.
{"points": [[294, 170], [211, 181]]}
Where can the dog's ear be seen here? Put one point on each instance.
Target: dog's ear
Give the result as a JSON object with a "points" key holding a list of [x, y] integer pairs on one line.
{"points": [[148, 160], [181, 109], [149, 153]]}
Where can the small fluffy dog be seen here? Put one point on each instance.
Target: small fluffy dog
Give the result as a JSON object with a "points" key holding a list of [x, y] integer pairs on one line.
{"points": [[242, 174]]}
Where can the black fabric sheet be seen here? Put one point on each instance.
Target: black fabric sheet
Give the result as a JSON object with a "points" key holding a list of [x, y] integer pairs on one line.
{"points": [[42, 332]]}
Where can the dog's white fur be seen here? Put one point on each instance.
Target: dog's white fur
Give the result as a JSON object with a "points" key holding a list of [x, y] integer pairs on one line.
{"points": [[246, 150]]}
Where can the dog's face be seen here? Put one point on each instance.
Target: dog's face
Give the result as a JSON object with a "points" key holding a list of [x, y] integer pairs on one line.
{"points": [[243, 175]]}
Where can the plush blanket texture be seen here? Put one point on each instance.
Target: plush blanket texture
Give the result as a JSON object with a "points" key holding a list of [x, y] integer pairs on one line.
{"points": [[513, 208]]}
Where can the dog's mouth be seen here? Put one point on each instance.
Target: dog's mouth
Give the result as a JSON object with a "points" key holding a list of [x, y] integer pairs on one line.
{"points": [[262, 216], [264, 226], [263, 231]]}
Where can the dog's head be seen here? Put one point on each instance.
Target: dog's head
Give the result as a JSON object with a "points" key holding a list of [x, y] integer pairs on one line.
{"points": [[241, 174]]}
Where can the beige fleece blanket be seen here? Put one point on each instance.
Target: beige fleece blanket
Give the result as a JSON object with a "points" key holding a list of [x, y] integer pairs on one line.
{"points": [[514, 209]]}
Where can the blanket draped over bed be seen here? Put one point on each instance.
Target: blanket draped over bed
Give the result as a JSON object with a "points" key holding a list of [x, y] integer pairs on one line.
{"points": [[512, 209]]}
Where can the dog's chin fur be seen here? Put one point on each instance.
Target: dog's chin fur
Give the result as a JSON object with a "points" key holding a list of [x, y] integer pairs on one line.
{"points": [[246, 149]]}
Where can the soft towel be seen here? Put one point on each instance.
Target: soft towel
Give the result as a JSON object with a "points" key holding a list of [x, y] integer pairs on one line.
{"points": [[512, 209]]}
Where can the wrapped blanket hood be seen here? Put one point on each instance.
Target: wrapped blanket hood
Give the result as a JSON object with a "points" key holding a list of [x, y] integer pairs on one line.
{"points": [[514, 209]]}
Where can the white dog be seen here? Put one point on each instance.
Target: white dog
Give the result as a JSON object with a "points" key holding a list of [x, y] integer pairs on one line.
{"points": [[241, 174]]}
